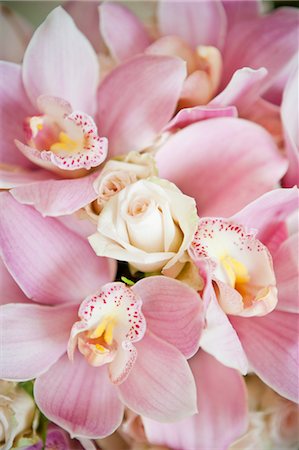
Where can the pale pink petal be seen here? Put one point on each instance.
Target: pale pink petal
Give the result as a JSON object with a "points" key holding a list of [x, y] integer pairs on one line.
{"points": [[239, 10], [79, 224], [198, 23], [220, 339], [57, 197], [271, 345], [33, 337], [265, 213], [11, 293], [49, 262], [15, 32], [287, 274], [290, 120], [239, 161], [242, 90], [13, 176], [79, 398], [124, 34], [88, 22], [222, 406], [60, 61], [160, 385], [187, 116], [173, 312], [15, 107], [269, 41], [137, 99]]}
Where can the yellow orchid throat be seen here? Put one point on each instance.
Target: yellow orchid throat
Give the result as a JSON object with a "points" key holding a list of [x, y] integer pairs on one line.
{"points": [[65, 143], [105, 329], [236, 272]]}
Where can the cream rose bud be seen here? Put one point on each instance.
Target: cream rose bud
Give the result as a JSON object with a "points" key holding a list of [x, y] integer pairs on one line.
{"points": [[119, 173], [150, 224], [17, 411]]}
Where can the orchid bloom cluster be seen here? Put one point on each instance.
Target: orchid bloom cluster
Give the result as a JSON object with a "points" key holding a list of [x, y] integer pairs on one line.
{"points": [[149, 230]]}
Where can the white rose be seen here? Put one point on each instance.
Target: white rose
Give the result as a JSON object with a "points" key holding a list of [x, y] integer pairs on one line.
{"points": [[150, 224], [17, 411], [117, 174]]}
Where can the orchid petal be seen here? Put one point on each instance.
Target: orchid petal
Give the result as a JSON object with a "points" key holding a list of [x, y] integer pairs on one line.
{"points": [[13, 176], [15, 107], [153, 85], [287, 273], [222, 406], [33, 337], [124, 34], [290, 120], [88, 22], [183, 19], [16, 31], [241, 170], [11, 293], [238, 11], [271, 345], [266, 212], [173, 312], [160, 385], [57, 197], [79, 398], [48, 261], [274, 44], [187, 116], [60, 61]]}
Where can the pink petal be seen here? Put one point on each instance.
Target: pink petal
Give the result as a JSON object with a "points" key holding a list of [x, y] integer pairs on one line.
{"points": [[273, 45], [79, 398], [237, 11], [187, 116], [60, 61], [33, 337], [220, 339], [125, 35], [15, 107], [287, 274], [290, 120], [242, 90], [49, 262], [132, 117], [11, 291], [265, 213], [173, 312], [271, 344], [222, 406], [13, 176], [88, 22], [15, 32], [198, 23], [160, 385], [57, 197], [216, 167]]}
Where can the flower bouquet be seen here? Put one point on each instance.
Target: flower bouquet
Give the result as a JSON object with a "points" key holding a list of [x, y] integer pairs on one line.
{"points": [[149, 233]]}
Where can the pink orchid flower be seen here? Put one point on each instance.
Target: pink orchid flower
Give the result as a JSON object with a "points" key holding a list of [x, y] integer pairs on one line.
{"points": [[250, 333], [142, 335]]}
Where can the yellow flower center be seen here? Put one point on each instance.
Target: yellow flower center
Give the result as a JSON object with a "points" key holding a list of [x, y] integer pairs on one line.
{"points": [[236, 272], [65, 143], [104, 329]]}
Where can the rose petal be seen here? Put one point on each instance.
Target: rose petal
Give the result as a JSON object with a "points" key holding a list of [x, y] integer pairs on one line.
{"points": [[160, 385], [60, 61], [79, 398], [33, 337], [240, 170], [132, 117], [49, 262], [173, 312]]}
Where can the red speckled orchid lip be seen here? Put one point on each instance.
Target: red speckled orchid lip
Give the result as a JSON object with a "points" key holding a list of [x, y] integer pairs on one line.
{"points": [[62, 137], [111, 320], [241, 264]]}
